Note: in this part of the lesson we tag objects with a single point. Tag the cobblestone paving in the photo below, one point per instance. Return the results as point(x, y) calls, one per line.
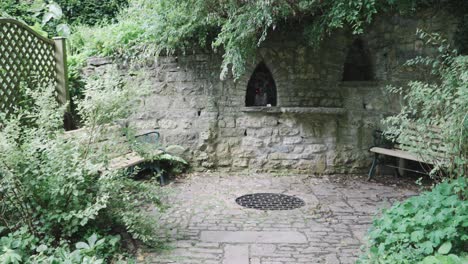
point(205, 225)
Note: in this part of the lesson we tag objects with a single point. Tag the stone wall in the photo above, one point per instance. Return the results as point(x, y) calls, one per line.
point(321, 124)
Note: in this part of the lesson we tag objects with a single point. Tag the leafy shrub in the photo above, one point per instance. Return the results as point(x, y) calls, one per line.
point(236, 28)
point(439, 104)
point(45, 17)
point(90, 12)
point(433, 225)
point(54, 17)
point(18, 246)
point(52, 192)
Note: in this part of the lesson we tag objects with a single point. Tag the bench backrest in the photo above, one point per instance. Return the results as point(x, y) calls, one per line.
point(429, 144)
point(114, 138)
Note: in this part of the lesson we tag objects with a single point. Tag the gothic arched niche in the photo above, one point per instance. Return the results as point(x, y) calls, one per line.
point(261, 88)
point(358, 66)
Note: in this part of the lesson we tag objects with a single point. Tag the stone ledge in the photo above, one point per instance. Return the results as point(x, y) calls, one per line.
point(294, 110)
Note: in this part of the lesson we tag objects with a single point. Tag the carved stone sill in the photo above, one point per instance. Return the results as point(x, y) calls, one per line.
point(294, 110)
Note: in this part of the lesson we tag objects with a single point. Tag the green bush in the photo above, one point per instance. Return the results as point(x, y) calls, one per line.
point(433, 225)
point(236, 28)
point(52, 193)
point(90, 12)
point(45, 17)
point(53, 17)
point(440, 103)
point(18, 246)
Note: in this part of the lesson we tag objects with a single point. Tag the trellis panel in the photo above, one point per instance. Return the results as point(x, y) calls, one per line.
point(29, 60)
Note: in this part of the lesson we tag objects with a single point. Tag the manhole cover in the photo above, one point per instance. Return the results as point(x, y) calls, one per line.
point(270, 201)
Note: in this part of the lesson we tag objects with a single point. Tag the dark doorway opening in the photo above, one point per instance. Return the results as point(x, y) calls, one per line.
point(261, 89)
point(358, 66)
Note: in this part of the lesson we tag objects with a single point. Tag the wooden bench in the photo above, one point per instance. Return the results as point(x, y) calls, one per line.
point(124, 157)
point(434, 150)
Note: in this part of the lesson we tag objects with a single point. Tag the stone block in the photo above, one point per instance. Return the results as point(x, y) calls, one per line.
point(253, 142)
point(242, 163)
point(269, 121)
point(182, 139)
point(272, 141)
point(260, 132)
point(221, 124)
point(288, 131)
point(315, 148)
point(265, 237)
point(284, 156)
point(177, 76)
point(281, 149)
point(176, 150)
point(305, 164)
point(292, 140)
point(298, 149)
point(99, 61)
point(248, 122)
point(230, 122)
point(244, 153)
point(201, 156)
point(224, 162)
point(236, 254)
point(263, 249)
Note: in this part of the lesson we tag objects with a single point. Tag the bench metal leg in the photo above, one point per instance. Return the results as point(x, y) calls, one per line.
point(372, 169)
point(161, 177)
point(155, 169)
point(402, 164)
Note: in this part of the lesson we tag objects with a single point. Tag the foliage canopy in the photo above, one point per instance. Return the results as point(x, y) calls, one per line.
point(235, 27)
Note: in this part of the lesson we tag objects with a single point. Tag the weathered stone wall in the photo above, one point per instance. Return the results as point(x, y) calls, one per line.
point(321, 124)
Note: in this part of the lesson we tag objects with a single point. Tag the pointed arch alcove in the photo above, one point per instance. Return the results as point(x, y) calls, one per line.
point(261, 88)
point(358, 64)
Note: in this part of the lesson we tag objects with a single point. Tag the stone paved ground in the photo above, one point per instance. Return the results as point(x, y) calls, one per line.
point(205, 225)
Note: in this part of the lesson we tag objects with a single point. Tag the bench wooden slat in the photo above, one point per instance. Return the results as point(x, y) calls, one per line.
point(396, 153)
point(429, 150)
point(126, 161)
point(422, 146)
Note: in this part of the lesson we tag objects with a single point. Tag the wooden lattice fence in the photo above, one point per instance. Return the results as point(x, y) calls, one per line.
point(28, 59)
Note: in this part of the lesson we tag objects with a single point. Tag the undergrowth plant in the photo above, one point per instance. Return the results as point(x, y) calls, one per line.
point(54, 195)
point(431, 228)
point(437, 109)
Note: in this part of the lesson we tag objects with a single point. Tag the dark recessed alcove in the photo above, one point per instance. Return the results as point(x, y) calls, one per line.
point(358, 65)
point(261, 88)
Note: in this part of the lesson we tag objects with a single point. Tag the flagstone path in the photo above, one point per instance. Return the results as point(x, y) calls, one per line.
point(205, 225)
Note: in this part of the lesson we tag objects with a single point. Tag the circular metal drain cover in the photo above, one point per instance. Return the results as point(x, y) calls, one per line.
point(270, 201)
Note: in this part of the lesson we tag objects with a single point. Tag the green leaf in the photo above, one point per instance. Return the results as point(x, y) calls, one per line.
point(63, 30)
point(41, 248)
point(46, 18)
point(82, 245)
point(445, 248)
point(55, 10)
point(92, 240)
point(417, 235)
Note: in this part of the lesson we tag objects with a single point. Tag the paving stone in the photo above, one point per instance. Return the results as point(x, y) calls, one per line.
point(205, 225)
point(253, 237)
point(236, 254)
